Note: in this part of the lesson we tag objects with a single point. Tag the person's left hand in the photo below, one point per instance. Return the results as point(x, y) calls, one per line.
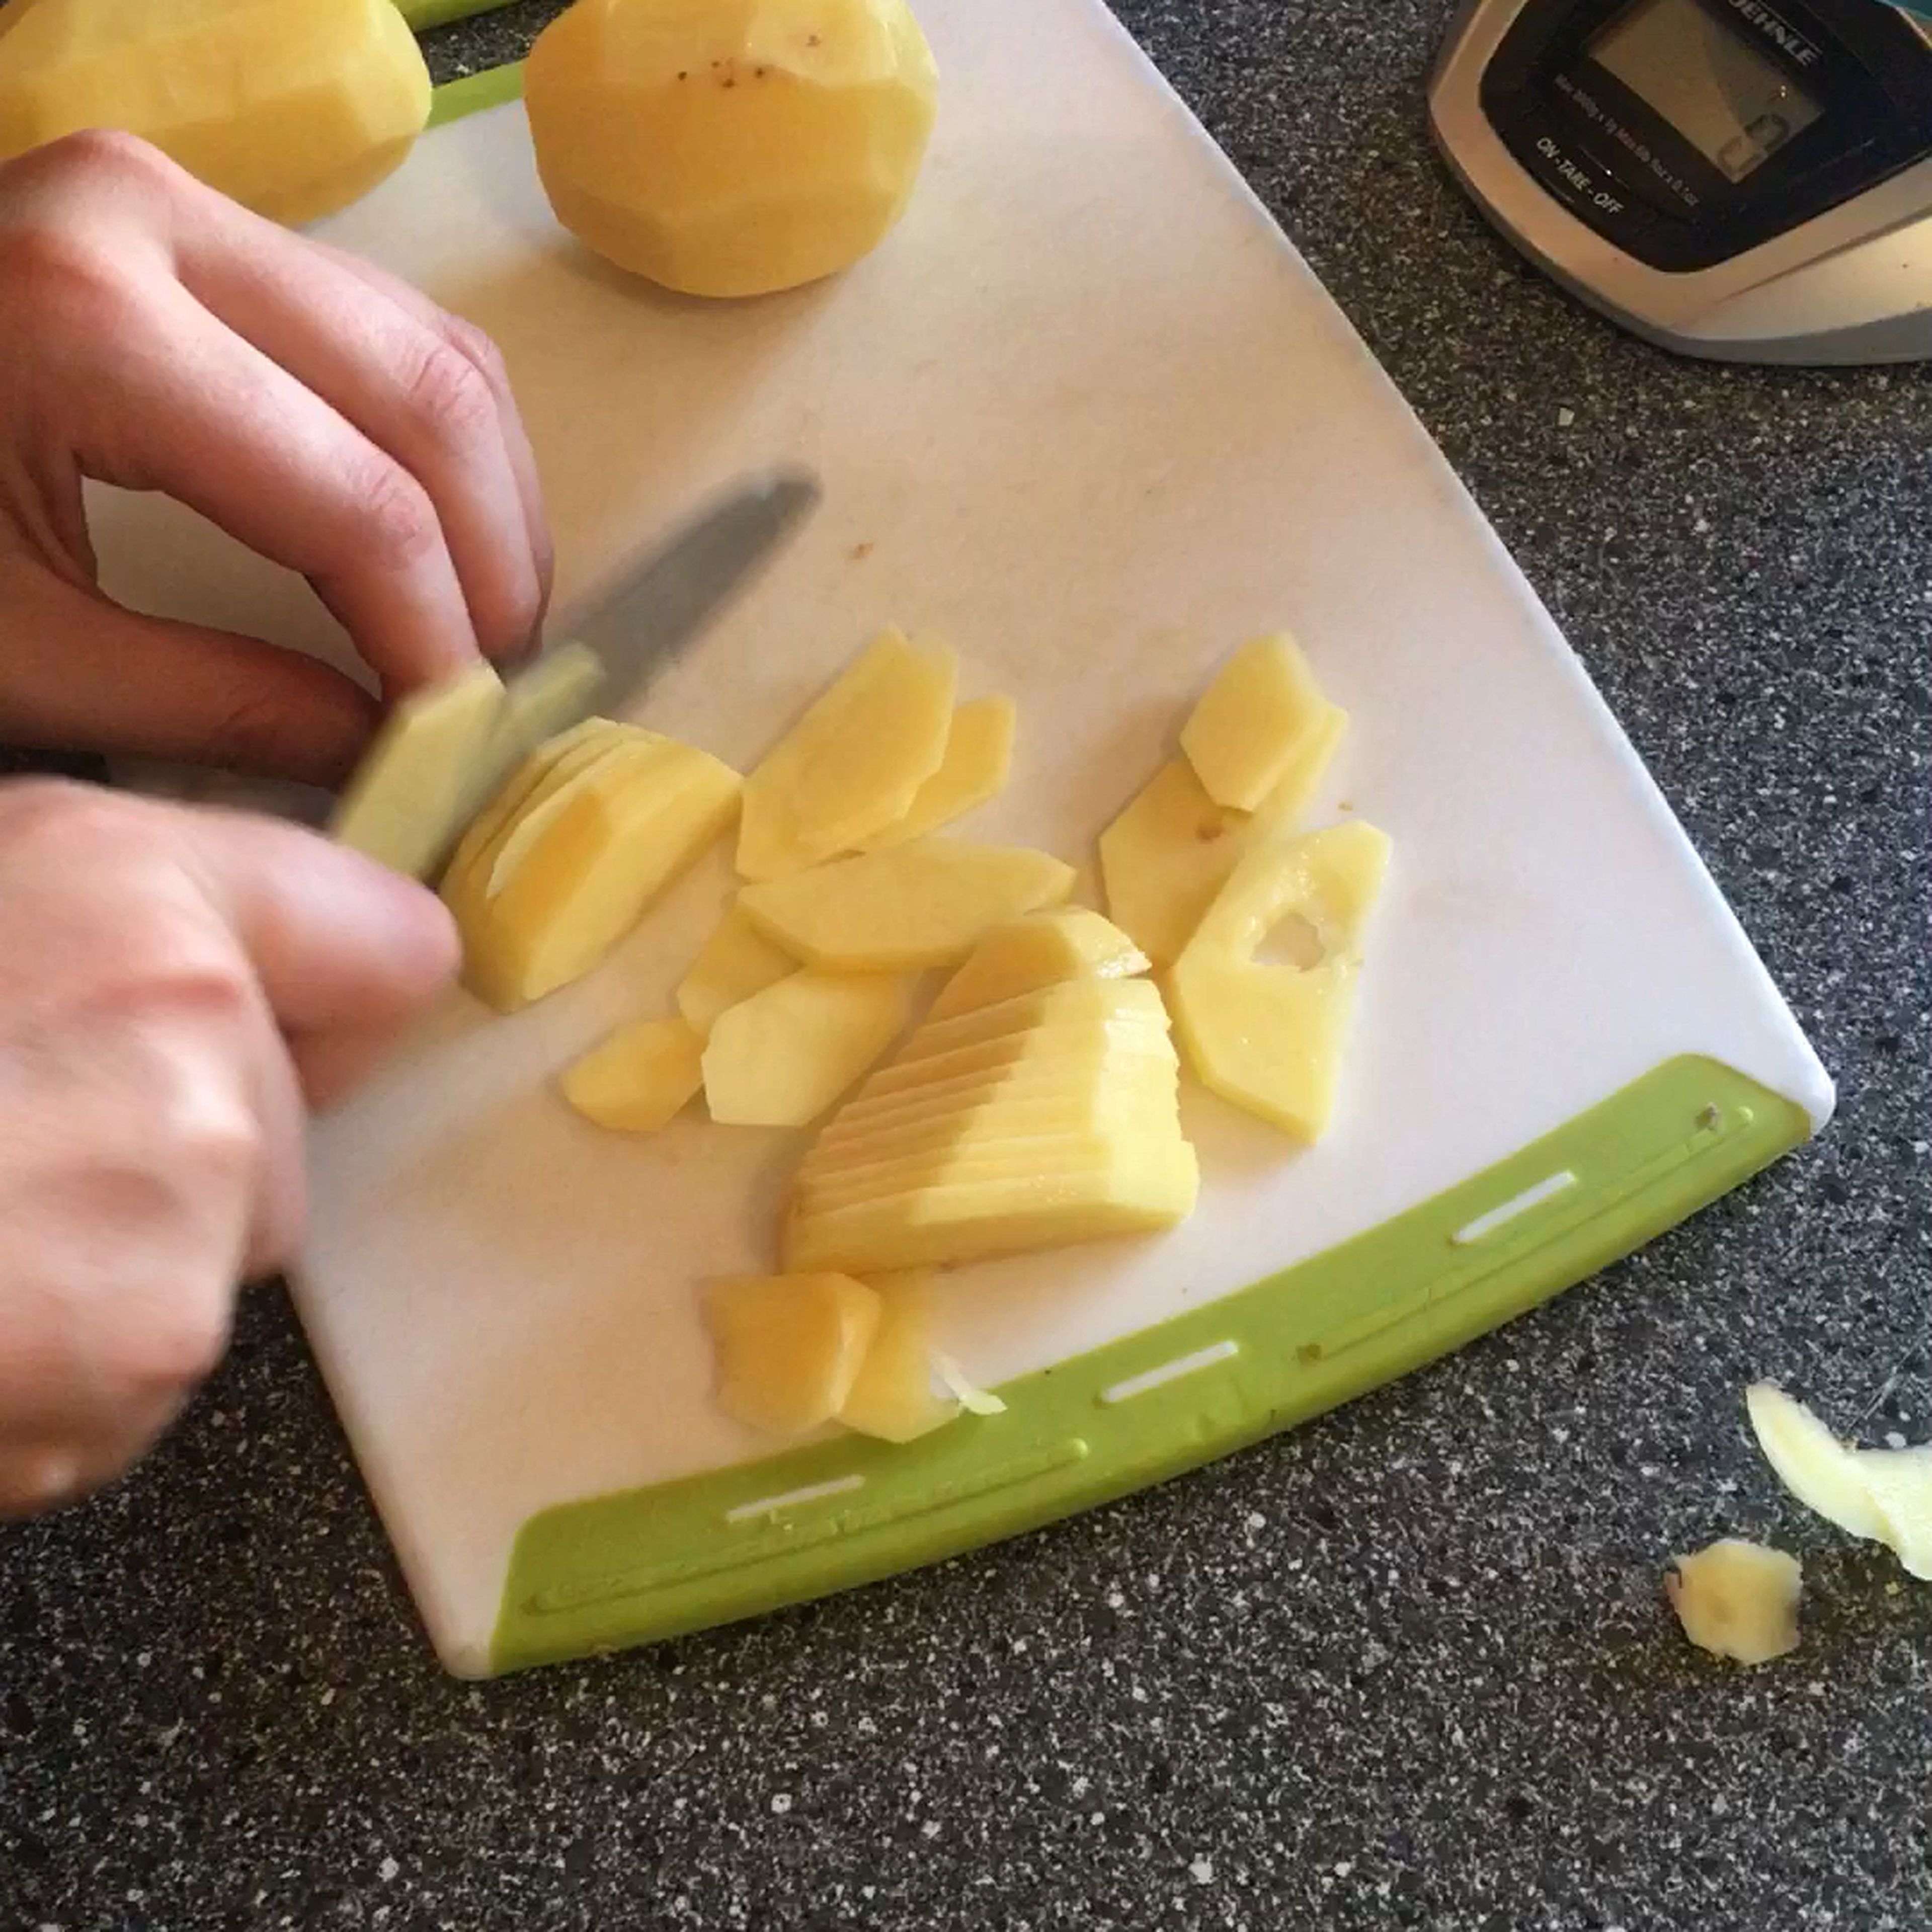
point(155, 335)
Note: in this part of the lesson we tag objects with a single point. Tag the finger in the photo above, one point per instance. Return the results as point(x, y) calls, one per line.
point(347, 952)
point(475, 344)
point(401, 378)
point(205, 417)
point(80, 673)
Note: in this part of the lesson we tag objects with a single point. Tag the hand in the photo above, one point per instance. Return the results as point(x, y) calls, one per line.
point(175, 985)
point(154, 334)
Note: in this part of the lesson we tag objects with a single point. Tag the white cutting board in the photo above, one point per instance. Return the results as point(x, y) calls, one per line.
point(1087, 415)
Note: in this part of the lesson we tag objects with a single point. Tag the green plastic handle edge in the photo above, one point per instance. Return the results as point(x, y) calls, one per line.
point(423, 14)
point(640, 1565)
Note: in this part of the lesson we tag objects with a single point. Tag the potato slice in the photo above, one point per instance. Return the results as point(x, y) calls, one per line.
point(1883, 1495)
point(1074, 1002)
point(1150, 1187)
point(1253, 722)
point(639, 1079)
point(736, 962)
point(979, 758)
point(1042, 950)
point(601, 859)
point(893, 1397)
point(854, 763)
point(781, 1057)
point(1737, 1599)
point(902, 911)
point(1293, 796)
point(1269, 1037)
point(1109, 1104)
point(552, 761)
point(1049, 1077)
point(789, 1347)
point(1164, 858)
point(1048, 1158)
point(405, 805)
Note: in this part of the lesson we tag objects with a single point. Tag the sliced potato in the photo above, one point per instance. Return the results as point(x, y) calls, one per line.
point(979, 756)
point(902, 911)
point(789, 1347)
point(1164, 858)
point(893, 1397)
point(736, 961)
point(854, 763)
point(781, 1057)
point(1252, 722)
point(1042, 949)
point(1270, 1037)
point(405, 806)
point(608, 842)
point(1150, 1188)
point(637, 1079)
point(1295, 794)
point(1737, 1599)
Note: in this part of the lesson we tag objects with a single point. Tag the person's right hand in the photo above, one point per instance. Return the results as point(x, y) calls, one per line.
point(154, 335)
point(176, 987)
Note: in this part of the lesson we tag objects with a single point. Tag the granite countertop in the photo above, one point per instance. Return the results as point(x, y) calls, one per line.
point(1408, 1667)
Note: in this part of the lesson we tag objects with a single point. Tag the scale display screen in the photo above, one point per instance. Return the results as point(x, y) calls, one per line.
point(1735, 106)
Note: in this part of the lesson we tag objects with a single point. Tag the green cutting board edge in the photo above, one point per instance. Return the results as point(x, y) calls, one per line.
point(643, 1565)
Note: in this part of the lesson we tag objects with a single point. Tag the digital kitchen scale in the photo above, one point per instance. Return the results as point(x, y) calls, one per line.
point(1728, 178)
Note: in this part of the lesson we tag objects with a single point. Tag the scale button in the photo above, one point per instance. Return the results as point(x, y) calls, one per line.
point(1596, 194)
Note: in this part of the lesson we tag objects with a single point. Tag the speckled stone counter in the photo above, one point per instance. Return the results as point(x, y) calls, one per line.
point(1409, 1667)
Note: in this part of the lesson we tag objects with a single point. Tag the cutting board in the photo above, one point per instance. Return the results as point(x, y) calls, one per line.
point(1088, 414)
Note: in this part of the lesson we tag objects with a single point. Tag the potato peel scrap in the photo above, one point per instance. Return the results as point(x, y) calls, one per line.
point(1883, 1495)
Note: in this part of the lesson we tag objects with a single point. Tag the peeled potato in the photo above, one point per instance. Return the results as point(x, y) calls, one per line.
point(295, 109)
point(731, 147)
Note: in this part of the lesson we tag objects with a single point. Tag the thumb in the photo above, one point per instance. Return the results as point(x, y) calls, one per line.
point(81, 673)
point(347, 952)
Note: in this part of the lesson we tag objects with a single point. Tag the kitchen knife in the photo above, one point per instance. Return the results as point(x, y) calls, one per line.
point(443, 753)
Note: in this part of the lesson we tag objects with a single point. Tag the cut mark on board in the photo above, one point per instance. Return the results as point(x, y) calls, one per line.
point(1517, 1205)
point(1171, 1372)
point(812, 1493)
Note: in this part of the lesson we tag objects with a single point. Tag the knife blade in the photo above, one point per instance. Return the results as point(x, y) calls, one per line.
point(443, 753)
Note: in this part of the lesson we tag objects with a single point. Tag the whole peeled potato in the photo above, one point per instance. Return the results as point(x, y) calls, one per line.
point(731, 147)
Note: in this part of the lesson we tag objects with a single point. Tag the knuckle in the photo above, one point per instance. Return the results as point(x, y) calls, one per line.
point(399, 522)
point(58, 820)
point(178, 1346)
point(449, 395)
point(95, 153)
point(480, 351)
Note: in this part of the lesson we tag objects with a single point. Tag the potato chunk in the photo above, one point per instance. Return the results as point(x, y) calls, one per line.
point(1261, 711)
point(1737, 1599)
point(789, 1347)
point(638, 1078)
point(893, 1397)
